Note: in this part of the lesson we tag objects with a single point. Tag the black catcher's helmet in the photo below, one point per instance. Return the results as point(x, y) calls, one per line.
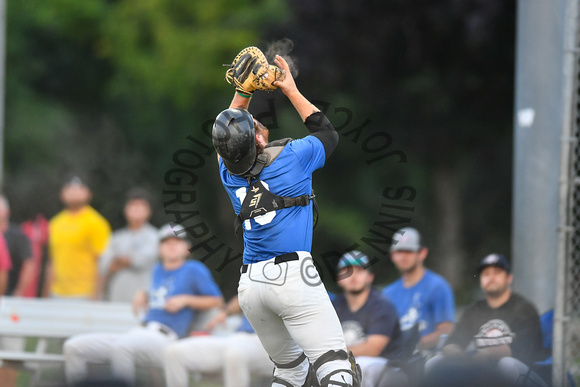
point(234, 139)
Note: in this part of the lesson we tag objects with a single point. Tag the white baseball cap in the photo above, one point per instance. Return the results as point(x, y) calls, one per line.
point(172, 230)
point(406, 239)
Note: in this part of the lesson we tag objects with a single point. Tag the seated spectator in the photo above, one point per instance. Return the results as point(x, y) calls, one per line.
point(22, 272)
point(178, 288)
point(369, 321)
point(237, 356)
point(420, 296)
point(126, 265)
point(496, 339)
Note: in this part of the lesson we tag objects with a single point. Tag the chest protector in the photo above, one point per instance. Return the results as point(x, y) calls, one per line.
point(259, 200)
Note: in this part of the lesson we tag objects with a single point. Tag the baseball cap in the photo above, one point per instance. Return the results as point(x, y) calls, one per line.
point(353, 258)
point(172, 230)
point(496, 260)
point(138, 193)
point(75, 180)
point(406, 239)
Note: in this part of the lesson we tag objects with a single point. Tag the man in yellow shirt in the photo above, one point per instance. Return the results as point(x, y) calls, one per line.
point(78, 236)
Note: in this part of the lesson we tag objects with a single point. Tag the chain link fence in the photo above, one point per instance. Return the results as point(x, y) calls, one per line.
point(567, 323)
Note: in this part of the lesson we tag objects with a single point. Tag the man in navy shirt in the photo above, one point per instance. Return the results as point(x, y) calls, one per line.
point(369, 321)
point(178, 288)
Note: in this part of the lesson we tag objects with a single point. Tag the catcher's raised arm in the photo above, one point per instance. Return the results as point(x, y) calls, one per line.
point(304, 107)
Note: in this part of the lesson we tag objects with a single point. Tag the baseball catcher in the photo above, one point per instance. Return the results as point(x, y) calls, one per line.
point(270, 187)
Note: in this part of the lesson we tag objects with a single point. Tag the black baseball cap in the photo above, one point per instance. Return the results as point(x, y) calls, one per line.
point(496, 260)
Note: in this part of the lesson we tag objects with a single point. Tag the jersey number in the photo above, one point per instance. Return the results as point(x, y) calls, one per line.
point(260, 219)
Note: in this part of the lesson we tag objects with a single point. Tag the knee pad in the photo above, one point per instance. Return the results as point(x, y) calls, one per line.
point(345, 377)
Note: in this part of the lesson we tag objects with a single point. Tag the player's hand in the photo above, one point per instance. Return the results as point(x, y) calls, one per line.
point(139, 302)
point(287, 85)
point(176, 303)
point(219, 319)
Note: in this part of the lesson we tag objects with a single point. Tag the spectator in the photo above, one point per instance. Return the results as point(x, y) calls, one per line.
point(502, 331)
point(237, 356)
point(8, 375)
point(178, 288)
point(369, 321)
point(5, 264)
point(22, 272)
point(78, 236)
point(420, 296)
point(126, 265)
point(16, 280)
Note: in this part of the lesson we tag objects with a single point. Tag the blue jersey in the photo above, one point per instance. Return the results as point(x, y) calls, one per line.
point(289, 229)
point(376, 317)
point(193, 278)
point(428, 303)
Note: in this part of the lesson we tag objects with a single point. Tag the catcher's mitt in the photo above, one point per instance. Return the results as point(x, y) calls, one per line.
point(250, 71)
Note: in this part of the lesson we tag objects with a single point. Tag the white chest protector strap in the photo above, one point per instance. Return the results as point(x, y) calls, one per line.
point(259, 200)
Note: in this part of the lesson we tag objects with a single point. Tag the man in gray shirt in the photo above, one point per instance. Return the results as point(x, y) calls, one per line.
point(125, 267)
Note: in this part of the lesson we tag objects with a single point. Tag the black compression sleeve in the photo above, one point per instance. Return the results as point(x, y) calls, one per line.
point(320, 127)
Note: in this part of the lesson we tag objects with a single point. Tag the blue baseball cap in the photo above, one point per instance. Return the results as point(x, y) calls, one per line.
point(353, 258)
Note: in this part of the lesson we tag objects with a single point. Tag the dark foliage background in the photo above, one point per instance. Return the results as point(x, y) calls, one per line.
point(112, 89)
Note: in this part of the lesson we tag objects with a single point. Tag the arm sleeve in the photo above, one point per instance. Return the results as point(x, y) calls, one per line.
point(320, 127)
point(204, 284)
point(528, 339)
point(444, 304)
point(463, 331)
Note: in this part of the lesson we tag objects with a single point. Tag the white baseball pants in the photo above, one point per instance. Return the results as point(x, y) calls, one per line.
point(288, 306)
point(140, 346)
point(237, 357)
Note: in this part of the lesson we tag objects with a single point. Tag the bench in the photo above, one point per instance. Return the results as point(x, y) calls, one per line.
point(50, 320)
point(56, 320)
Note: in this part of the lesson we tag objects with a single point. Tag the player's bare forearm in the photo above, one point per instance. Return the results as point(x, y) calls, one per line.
point(373, 346)
point(232, 307)
point(494, 352)
point(26, 278)
point(432, 339)
point(3, 281)
point(304, 107)
point(240, 102)
point(48, 278)
point(176, 303)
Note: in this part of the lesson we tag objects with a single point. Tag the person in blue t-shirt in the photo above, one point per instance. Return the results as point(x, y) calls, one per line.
point(270, 187)
point(369, 321)
point(179, 287)
point(420, 296)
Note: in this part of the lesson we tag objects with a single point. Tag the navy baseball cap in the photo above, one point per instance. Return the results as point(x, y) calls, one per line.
point(496, 260)
point(353, 258)
point(406, 239)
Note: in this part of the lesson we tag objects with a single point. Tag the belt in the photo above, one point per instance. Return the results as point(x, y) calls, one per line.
point(160, 327)
point(277, 260)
